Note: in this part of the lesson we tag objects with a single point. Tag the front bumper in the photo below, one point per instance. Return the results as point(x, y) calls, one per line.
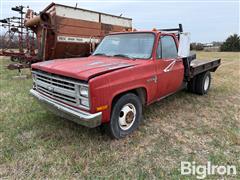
point(68, 112)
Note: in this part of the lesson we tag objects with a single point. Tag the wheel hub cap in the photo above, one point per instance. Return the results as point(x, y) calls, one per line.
point(127, 116)
point(206, 83)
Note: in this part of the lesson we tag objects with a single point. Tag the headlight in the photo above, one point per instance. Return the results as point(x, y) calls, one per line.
point(84, 91)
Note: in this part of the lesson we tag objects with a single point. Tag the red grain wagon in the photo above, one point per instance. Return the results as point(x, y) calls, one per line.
point(64, 31)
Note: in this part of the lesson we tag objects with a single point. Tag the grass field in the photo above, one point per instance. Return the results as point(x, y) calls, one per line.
point(183, 127)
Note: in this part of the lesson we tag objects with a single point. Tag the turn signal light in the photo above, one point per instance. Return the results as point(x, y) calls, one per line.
point(101, 108)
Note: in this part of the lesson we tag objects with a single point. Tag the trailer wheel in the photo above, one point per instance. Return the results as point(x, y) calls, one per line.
point(203, 82)
point(126, 116)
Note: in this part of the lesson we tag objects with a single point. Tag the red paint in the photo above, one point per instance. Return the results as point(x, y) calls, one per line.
point(105, 83)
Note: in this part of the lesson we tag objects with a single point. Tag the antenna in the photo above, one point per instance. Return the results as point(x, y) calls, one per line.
point(76, 5)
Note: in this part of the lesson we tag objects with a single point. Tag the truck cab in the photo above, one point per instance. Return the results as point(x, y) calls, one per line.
point(127, 71)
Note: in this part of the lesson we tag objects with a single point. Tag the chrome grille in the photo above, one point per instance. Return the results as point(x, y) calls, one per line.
point(58, 87)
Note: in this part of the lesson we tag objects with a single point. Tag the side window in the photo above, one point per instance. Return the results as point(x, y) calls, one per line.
point(167, 48)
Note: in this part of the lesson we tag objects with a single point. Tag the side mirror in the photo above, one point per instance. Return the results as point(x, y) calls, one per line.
point(184, 45)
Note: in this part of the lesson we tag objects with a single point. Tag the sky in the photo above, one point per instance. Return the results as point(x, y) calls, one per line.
point(206, 20)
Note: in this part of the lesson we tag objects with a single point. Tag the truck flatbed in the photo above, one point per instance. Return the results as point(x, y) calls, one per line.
point(198, 66)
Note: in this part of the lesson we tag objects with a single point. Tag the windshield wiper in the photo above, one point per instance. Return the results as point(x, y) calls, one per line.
point(100, 54)
point(123, 55)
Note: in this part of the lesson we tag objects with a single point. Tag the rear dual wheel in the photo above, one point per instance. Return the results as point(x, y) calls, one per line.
point(200, 84)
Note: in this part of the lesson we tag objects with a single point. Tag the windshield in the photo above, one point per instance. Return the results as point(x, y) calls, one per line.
point(138, 45)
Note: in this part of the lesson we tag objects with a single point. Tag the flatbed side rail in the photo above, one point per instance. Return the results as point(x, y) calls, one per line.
point(200, 66)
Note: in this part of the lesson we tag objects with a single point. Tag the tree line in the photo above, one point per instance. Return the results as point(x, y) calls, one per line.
point(232, 43)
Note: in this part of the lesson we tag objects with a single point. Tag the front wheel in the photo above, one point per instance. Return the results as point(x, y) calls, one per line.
point(126, 116)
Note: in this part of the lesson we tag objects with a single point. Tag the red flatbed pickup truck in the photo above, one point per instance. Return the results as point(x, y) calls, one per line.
point(127, 71)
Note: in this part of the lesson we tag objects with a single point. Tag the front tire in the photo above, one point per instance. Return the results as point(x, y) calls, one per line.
point(126, 116)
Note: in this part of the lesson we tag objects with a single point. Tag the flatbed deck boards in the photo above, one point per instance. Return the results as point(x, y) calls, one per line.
point(199, 62)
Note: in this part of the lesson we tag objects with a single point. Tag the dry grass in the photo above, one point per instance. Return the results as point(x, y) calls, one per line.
point(183, 127)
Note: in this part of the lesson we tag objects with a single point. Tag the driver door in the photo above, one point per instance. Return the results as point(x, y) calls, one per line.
point(169, 67)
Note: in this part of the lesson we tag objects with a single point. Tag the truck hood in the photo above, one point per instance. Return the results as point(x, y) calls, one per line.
point(85, 68)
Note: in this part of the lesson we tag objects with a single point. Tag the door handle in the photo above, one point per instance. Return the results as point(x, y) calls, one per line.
point(170, 66)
